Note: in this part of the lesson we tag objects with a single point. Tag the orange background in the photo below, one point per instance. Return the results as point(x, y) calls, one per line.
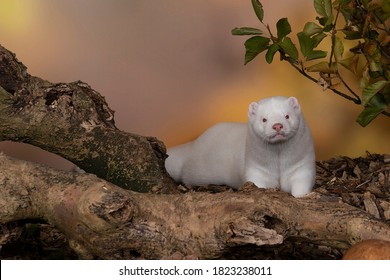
point(171, 68)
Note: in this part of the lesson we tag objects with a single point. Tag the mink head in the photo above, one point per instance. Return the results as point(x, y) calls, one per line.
point(275, 119)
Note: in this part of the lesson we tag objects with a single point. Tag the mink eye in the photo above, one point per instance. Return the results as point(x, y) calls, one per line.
point(264, 120)
point(287, 117)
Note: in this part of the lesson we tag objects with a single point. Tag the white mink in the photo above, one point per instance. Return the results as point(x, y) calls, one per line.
point(274, 149)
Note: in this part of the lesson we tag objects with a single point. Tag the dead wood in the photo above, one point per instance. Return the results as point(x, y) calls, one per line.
point(74, 121)
point(101, 220)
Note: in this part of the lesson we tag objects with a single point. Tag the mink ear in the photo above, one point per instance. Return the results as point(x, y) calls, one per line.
point(252, 109)
point(293, 102)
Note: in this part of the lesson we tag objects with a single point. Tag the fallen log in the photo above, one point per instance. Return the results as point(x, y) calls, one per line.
point(74, 121)
point(101, 220)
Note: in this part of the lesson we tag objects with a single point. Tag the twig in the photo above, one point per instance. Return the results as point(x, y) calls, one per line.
point(349, 89)
point(385, 28)
point(346, 96)
point(362, 184)
point(354, 100)
point(333, 35)
point(387, 114)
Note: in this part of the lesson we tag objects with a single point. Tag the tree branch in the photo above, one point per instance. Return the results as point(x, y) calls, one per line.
point(75, 122)
point(103, 221)
point(303, 72)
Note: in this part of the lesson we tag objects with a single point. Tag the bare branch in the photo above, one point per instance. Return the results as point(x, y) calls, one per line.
point(79, 126)
point(105, 221)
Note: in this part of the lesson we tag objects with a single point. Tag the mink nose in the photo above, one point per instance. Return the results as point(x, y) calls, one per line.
point(277, 126)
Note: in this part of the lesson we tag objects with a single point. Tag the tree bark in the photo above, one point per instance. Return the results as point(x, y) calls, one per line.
point(75, 122)
point(104, 221)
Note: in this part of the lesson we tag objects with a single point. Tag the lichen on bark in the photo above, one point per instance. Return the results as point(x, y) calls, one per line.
point(74, 121)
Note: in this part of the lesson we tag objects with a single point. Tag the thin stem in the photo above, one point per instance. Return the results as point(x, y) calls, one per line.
point(385, 28)
point(347, 86)
point(354, 100)
point(274, 40)
point(387, 114)
point(303, 72)
point(333, 36)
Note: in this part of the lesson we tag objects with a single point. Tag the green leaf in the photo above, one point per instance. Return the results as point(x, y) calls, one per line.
point(369, 114)
point(386, 6)
point(375, 66)
point(344, 2)
point(322, 67)
point(312, 28)
point(317, 39)
point(384, 14)
point(338, 49)
point(327, 23)
point(381, 10)
point(351, 63)
point(289, 48)
point(283, 27)
point(258, 7)
point(325, 11)
point(365, 80)
point(376, 106)
point(272, 50)
point(316, 54)
point(254, 46)
point(307, 45)
point(323, 8)
point(371, 90)
point(351, 35)
point(246, 31)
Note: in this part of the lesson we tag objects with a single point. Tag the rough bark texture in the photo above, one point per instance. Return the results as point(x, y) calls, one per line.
point(101, 220)
point(75, 122)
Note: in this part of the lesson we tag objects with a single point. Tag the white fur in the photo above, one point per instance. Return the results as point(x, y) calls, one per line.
point(275, 149)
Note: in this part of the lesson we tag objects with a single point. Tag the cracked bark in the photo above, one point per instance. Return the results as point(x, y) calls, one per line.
point(104, 221)
point(74, 121)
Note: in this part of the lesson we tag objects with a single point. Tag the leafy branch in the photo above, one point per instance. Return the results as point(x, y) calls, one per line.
point(365, 25)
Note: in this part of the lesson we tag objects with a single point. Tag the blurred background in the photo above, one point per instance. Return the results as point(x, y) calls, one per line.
point(171, 68)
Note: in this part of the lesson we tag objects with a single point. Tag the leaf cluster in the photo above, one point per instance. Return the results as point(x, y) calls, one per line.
point(364, 24)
